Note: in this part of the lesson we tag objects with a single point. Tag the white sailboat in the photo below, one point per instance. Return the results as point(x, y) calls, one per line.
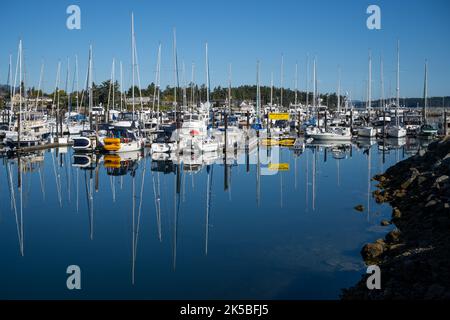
point(397, 131)
point(208, 143)
point(123, 138)
point(23, 137)
point(368, 131)
point(426, 130)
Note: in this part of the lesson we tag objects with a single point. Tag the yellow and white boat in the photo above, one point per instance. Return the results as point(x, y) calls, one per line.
point(121, 140)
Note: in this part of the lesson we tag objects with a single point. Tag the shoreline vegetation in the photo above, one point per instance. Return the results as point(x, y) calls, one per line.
point(101, 93)
point(414, 258)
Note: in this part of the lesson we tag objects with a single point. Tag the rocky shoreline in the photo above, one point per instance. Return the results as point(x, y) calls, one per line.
point(414, 259)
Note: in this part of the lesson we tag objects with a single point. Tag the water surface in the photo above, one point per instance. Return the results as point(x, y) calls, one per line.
point(145, 229)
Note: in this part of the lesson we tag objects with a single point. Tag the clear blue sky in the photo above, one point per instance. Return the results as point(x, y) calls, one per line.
point(239, 32)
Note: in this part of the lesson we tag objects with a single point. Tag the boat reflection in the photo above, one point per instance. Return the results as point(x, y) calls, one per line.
point(147, 193)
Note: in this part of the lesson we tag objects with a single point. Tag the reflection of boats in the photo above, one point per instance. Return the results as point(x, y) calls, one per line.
point(84, 161)
point(278, 141)
point(391, 144)
point(365, 143)
point(119, 165)
point(333, 134)
point(339, 152)
point(299, 144)
point(164, 166)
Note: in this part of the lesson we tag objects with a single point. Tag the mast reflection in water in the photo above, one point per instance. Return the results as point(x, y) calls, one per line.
point(191, 226)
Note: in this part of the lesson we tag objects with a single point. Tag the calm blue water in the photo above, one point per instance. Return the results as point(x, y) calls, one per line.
point(293, 235)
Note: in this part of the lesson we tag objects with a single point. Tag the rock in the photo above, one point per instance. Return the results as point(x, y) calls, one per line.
point(393, 236)
point(399, 193)
point(359, 208)
point(441, 179)
point(415, 260)
point(371, 251)
point(431, 203)
point(408, 182)
point(396, 214)
point(379, 196)
point(421, 180)
point(379, 178)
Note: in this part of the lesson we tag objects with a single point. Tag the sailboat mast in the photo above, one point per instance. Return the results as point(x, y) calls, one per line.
point(382, 84)
point(258, 91)
point(425, 94)
point(296, 83)
point(156, 78)
point(121, 87)
point(207, 76)
point(229, 88)
point(192, 85)
point(10, 78)
point(369, 88)
point(39, 85)
point(184, 84)
point(20, 94)
point(397, 102)
point(91, 97)
point(307, 84)
point(314, 83)
point(175, 65)
point(132, 61)
point(113, 80)
point(158, 83)
point(339, 91)
point(271, 89)
point(76, 82)
point(281, 80)
point(67, 86)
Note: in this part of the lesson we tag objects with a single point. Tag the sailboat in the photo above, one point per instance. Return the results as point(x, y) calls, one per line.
point(88, 140)
point(208, 143)
point(426, 130)
point(122, 138)
point(397, 131)
point(23, 138)
point(331, 133)
point(368, 131)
